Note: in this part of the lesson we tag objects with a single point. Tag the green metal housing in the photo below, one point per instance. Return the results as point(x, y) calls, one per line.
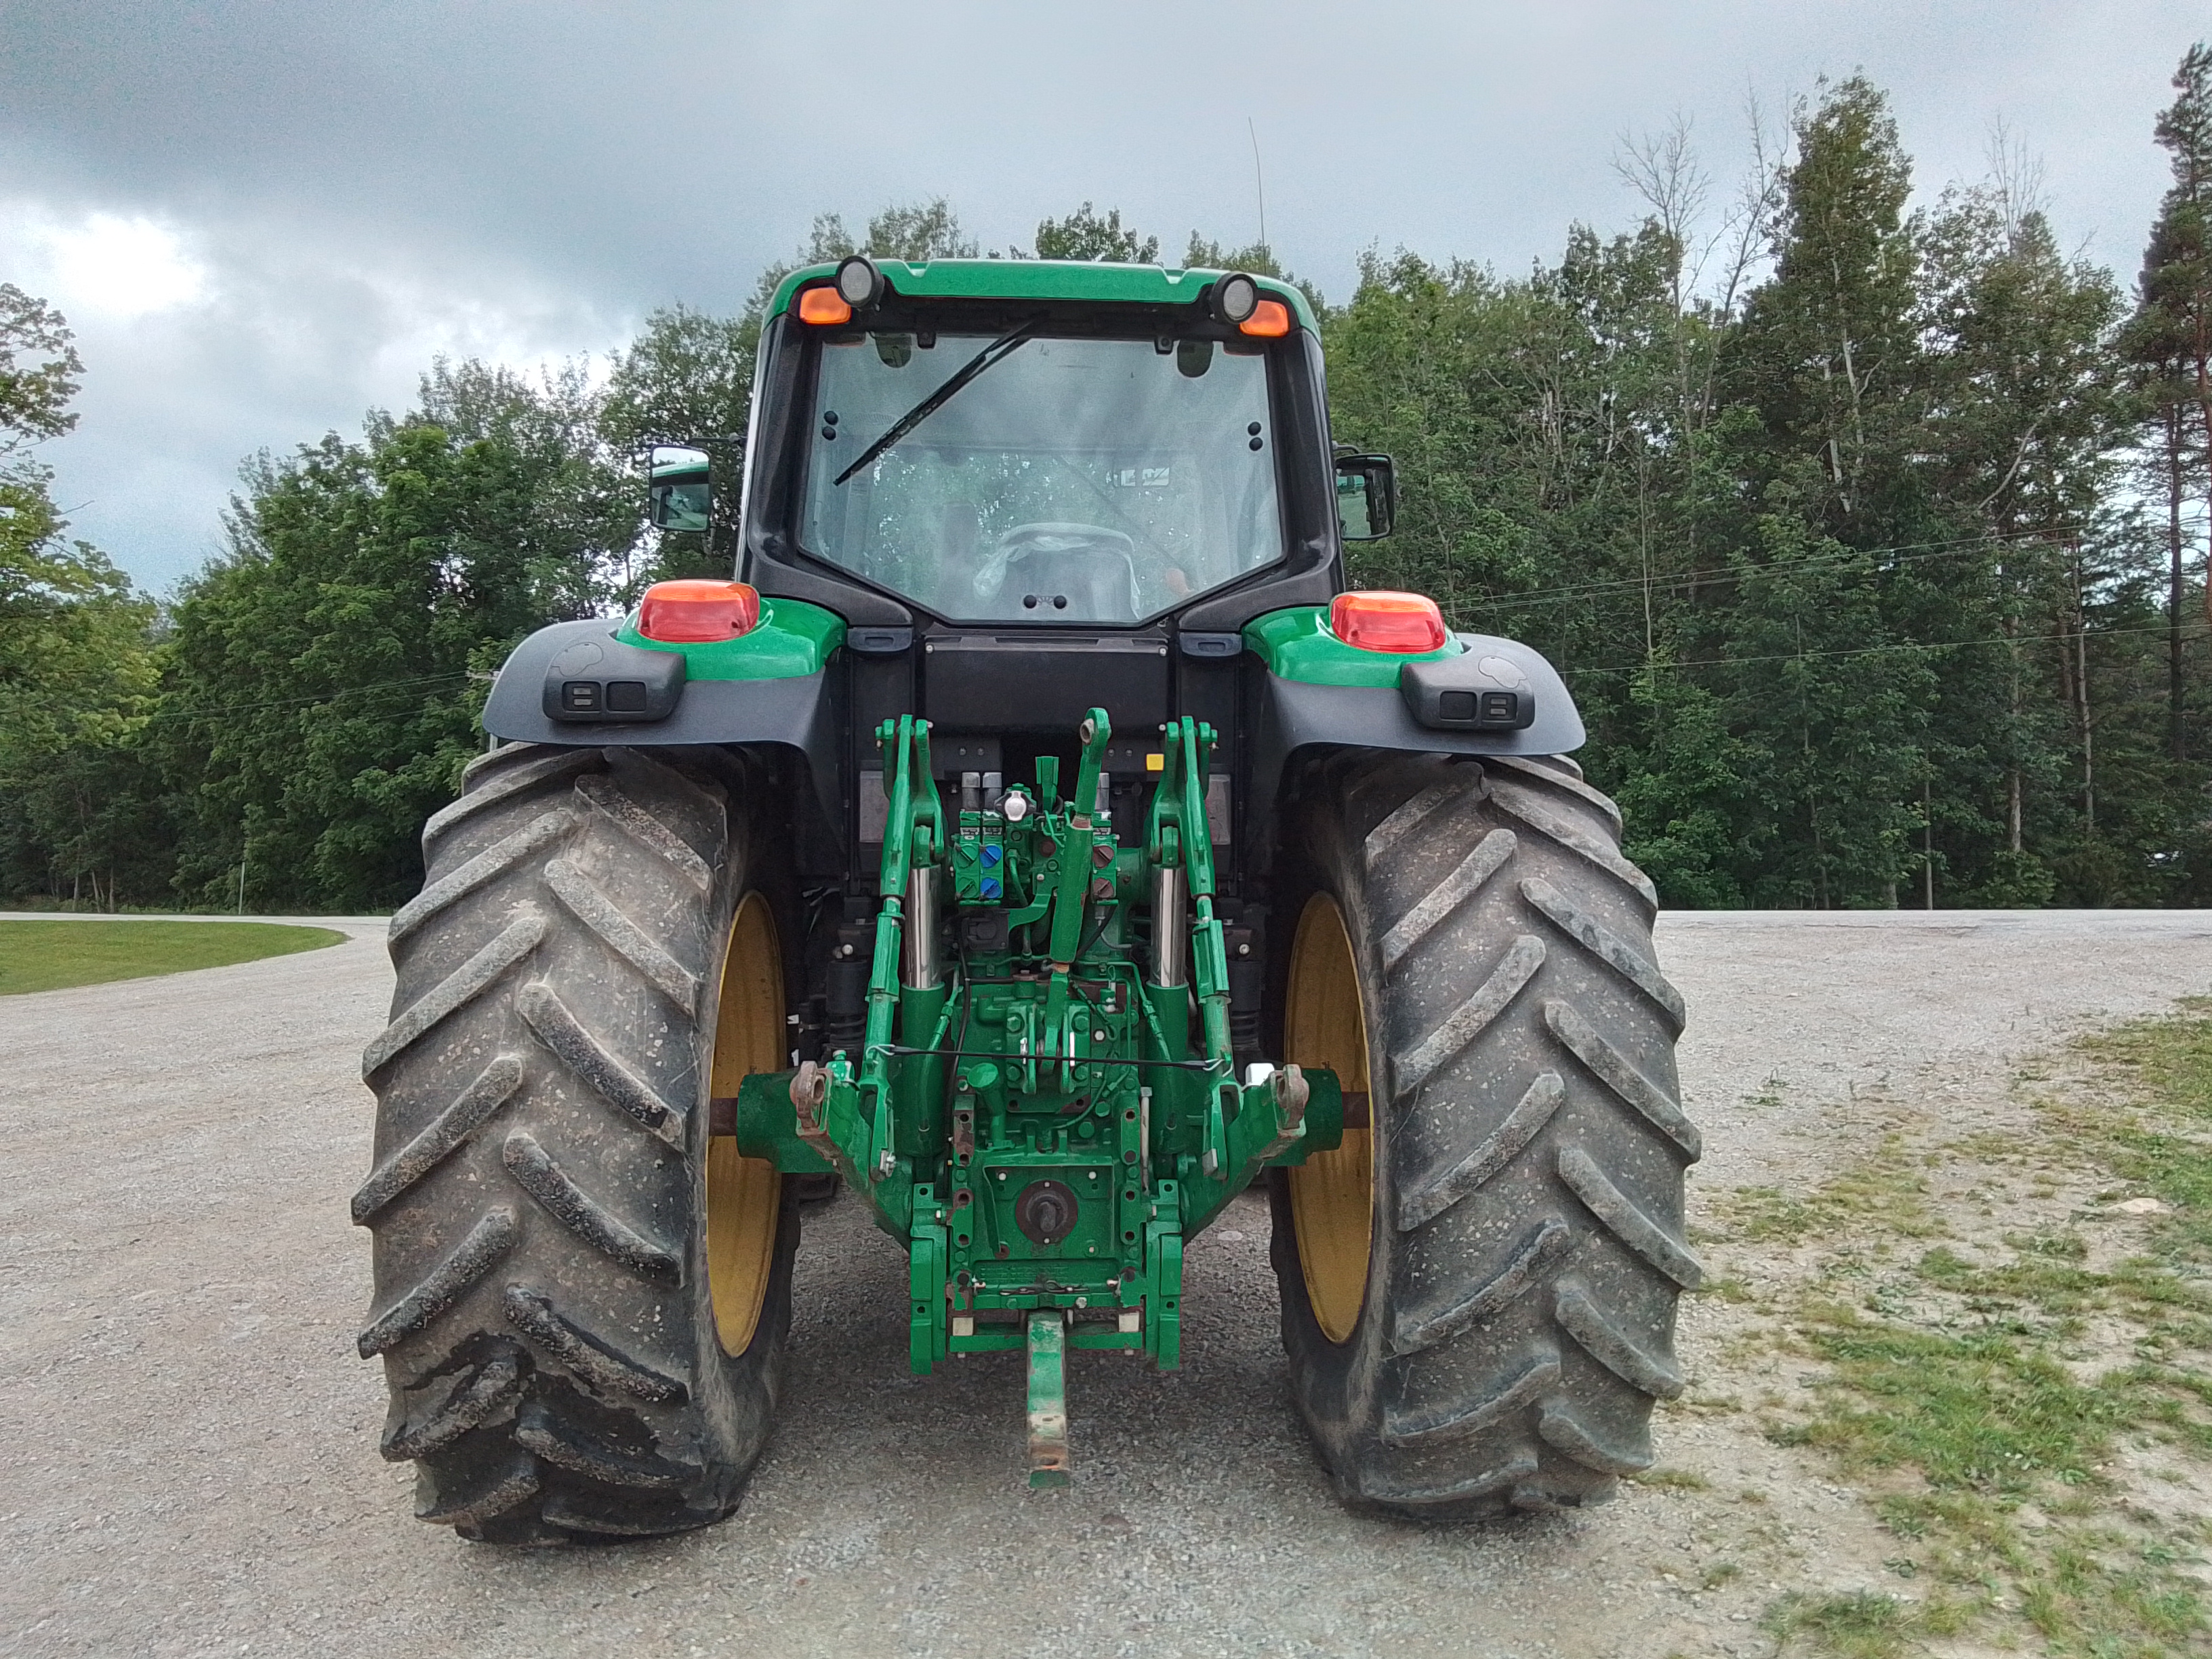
point(1044, 1124)
point(792, 638)
point(1099, 281)
point(1297, 644)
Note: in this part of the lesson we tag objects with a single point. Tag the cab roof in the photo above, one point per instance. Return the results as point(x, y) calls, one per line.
point(1046, 279)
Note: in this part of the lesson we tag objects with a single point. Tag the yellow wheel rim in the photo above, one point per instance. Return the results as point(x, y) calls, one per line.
point(1333, 1192)
point(743, 1193)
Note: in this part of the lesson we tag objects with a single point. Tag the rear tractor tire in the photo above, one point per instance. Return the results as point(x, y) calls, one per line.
point(1479, 1287)
point(581, 1304)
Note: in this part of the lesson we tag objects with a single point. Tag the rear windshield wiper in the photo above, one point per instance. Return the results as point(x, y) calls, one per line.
point(1001, 349)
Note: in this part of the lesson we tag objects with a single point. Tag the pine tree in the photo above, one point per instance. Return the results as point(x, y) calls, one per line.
point(2169, 342)
point(2023, 422)
point(1828, 349)
point(1827, 363)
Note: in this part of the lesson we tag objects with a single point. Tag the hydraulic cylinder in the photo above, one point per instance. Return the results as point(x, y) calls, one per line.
point(1170, 927)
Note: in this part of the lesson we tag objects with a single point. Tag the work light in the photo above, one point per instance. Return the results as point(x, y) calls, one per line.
point(1235, 297)
point(860, 284)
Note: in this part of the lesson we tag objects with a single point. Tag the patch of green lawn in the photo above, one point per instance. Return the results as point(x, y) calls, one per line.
point(46, 955)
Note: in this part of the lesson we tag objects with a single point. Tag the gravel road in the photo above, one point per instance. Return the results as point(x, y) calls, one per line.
point(188, 1442)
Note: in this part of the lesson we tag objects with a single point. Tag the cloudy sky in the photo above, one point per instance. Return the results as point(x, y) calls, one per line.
point(264, 218)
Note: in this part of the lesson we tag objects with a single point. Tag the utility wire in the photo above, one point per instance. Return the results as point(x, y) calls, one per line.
point(1693, 579)
point(206, 711)
point(1904, 645)
point(1958, 548)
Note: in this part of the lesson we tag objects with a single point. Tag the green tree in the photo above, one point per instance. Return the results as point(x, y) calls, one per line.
point(914, 231)
point(1827, 364)
point(2169, 344)
point(1421, 368)
point(686, 380)
point(1828, 347)
point(77, 679)
point(38, 370)
point(325, 676)
point(75, 670)
point(1203, 253)
point(1083, 234)
point(1550, 489)
point(2024, 426)
point(1843, 563)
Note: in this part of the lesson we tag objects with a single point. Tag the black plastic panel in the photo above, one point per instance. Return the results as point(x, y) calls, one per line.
point(1474, 691)
point(804, 714)
point(1043, 684)
point(595, 681)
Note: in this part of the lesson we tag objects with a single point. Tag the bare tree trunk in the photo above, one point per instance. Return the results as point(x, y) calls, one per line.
point(2201, 357)
point(2177, 738)
point(1643, 547)
point(2009, 595)
point(2081, 699)
point(1852, 385)
point(1926, 842)
point(2088, 757)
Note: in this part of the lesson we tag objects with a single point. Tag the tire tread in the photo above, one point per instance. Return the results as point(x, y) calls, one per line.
point(1529, 1147)
point(555, 1375)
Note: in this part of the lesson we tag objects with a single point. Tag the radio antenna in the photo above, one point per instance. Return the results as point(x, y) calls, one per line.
point(1259, 179)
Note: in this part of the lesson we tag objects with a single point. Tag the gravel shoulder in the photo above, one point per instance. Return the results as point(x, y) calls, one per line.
point(188, 1442)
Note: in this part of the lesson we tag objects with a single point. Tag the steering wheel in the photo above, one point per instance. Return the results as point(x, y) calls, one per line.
point(1071, 556)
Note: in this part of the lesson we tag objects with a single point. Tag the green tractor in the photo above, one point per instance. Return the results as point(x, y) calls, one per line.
point(1041, 842)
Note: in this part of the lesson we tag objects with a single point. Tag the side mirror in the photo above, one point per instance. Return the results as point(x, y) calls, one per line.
point(682, 496)
point(1366, 496)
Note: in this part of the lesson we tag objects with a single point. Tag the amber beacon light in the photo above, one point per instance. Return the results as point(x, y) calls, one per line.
point(1377, 619)
point(696, 611)
point(824, 305)
point(1270, 320)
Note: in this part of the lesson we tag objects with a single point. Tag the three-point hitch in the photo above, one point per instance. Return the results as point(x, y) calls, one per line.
point(1043, 1118)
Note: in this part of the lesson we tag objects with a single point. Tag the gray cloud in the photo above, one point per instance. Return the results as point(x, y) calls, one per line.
point(360, 187)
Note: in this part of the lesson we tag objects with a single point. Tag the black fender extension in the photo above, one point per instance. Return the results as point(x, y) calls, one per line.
point(1290, 715)
point(799, 713)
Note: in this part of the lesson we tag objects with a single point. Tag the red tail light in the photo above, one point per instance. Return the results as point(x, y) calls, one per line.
point(1375, 619)
point(696, 611)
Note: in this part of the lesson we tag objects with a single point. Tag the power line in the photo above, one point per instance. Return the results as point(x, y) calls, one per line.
point(1904, 645)
point(1689, 579)
point(1957, 548)
point(207, 711)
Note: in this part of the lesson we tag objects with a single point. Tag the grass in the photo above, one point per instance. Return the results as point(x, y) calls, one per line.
point(1982, 1412)
point(2168, 1151)
point(1863, 1625)
point(1680, 1479)
point(46, 955)
point(1888, 1190)
point(1994, 1391)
